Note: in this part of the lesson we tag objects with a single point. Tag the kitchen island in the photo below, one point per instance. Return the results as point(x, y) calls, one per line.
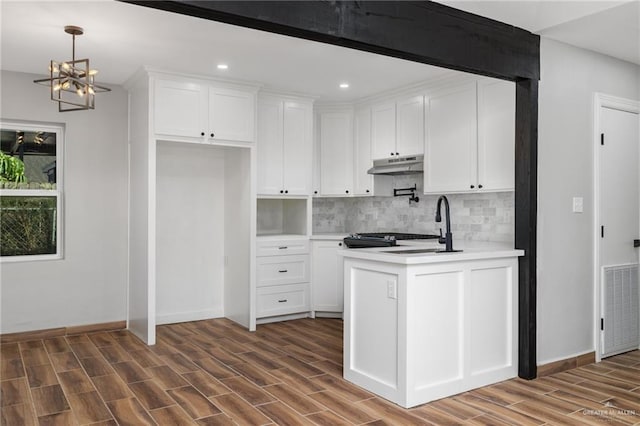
point(421, 325)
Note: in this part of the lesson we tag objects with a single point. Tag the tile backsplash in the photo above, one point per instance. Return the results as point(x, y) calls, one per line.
point(478, 216)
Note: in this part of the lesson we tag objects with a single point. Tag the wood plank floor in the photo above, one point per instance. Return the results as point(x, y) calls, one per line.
point(216, 373)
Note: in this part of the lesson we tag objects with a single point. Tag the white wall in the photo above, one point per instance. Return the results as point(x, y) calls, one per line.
point(89, 285)
point(190, 229)
point(569, 78)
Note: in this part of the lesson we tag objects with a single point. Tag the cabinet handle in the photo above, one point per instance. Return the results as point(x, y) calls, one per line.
point(315, 192)
point(213, 134)
point(286, 191)
point(367, 191)
point(282, 300)
point(201, 133)
point(283, 270)
point(340, 244)
point(347, 191)
point(281, 191)
point(283, 248)
point(473, 186)
point(397, 153)
point(392, 153)
point(480, 186)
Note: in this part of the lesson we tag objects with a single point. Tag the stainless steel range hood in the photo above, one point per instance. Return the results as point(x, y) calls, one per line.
point(398, 166)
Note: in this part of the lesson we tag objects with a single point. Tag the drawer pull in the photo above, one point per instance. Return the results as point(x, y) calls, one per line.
point(283, 270)
point(282, 300)
point(283, 248)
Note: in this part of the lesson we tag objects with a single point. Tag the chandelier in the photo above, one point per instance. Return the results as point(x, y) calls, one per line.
point(72, 82)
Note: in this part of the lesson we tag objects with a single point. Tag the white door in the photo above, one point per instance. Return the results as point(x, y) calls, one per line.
point(336, 153)
point(231, 115)
point(180, 109)
point(327, 276)
point(496, 135)
point(363, 181)
point(269, 147)
point(383, 130)
point(619, 213)
point(410, 126)
point(297, 147)
point(450, 158)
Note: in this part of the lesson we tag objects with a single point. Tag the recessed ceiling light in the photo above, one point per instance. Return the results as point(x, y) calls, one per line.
point(223, 66)
point(344, 85)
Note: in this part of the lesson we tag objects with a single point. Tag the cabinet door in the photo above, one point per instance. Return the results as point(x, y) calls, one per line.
point(451, 142)
point(496, 135)
point(297, 143)
point(231, 114)
point(269, 146)
point(383, 130)
point(180, 109)
point(336, 153)
point(363, 182)
point(410, 126)
point(327, 276)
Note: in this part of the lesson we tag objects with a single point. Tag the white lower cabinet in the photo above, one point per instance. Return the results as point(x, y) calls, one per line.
point(282, 300)
point(282, 278)
point(327, 276)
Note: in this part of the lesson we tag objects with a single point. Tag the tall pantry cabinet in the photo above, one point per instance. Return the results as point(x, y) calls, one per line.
point(192, 200)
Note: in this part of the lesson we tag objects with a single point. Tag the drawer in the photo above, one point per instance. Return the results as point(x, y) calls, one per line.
point(282, 247)
point(282, 300)
point(276, 270)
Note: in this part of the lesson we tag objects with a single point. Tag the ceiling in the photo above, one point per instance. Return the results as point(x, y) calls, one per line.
point(120, 38)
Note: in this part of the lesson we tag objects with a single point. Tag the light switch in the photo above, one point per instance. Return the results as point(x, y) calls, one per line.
point(578, 204)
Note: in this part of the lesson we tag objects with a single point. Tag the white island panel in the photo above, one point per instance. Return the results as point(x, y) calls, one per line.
point(435, 309)
point(490, 319)
point(374, 326)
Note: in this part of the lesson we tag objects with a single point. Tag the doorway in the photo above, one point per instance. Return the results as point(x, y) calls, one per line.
point(617, 224)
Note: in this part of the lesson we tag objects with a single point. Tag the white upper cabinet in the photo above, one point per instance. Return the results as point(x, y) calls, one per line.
point(298, 147)
point(410, 126)
point(284, 147)
point(231, 114)
point(362, 181)
point(336, 152)
point(496, 134)
point(269, 146)
point(450, 146)
point(203, 111)
point(470, 138)
point(383, 130)
point(180, 108)
point(397, 128)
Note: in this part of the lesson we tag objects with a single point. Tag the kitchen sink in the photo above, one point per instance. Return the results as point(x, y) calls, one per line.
point(418, 251)
point(414, 251)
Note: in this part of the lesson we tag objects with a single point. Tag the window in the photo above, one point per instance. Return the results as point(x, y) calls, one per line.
point(30, 191)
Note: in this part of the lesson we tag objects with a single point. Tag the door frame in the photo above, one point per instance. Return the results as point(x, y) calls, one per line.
point(601, 100)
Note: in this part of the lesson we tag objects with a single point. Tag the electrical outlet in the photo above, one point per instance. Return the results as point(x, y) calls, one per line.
point(578, 204)
point(392, 290)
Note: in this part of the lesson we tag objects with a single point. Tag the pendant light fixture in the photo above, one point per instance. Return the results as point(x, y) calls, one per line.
point(72, 82)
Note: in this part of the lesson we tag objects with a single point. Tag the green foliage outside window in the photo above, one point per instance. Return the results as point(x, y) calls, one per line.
point(27, 225)
point(11, 169)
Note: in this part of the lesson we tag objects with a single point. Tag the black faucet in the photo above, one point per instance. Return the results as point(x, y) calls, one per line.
point(448, 237)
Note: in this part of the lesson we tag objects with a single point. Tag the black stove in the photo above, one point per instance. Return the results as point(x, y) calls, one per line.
point(382, 239)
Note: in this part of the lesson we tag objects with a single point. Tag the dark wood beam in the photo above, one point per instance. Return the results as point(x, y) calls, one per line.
point(526, 196)
point(421, 31)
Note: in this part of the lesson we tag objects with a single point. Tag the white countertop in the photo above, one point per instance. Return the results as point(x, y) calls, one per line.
point(330, 236)
point(471, 250)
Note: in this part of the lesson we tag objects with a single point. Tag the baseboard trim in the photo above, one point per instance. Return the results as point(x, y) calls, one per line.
point(61, 331)
point(188, 316)
point(566, 364)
